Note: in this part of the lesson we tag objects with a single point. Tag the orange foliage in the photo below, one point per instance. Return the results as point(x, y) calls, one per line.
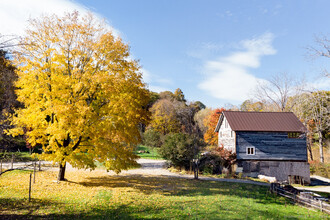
point(227, 155)
point(210, 122)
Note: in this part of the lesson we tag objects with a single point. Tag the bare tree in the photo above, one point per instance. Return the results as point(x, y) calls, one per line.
point(279, 92)
point(322, 49)
point(8, 42)
point(320, 113)
point(301, 110)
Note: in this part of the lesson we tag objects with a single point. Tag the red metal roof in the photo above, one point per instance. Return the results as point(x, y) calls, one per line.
point(264, 121)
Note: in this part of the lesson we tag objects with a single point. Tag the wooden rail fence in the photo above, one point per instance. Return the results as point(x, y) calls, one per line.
point(316, 203)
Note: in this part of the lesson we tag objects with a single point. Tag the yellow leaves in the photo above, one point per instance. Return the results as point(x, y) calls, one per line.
point(75, 80)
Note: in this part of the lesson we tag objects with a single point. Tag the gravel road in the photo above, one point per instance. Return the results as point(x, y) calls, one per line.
point(156, 168)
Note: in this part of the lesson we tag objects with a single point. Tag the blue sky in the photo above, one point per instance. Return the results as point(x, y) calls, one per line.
point(215, 51)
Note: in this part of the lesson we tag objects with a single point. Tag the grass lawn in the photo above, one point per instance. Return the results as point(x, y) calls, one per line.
point(96, 195)
point(153, 154)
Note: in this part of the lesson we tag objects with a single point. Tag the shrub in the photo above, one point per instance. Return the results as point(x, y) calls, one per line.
point(152, 138)
point(17, 156)
point(180, 149)
point(217, 160)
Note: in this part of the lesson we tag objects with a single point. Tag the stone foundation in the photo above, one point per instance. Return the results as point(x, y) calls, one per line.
point(281, 170)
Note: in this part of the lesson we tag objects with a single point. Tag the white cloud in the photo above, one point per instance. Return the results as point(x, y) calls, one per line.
point(319, 84)
point(146, 75)
point(15, 13)
point(158, 89)
point(151, 80)
point(228, 77)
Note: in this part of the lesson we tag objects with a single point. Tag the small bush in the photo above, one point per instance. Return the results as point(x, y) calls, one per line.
point(218, 160)
point(208, 170)
point(180, 149)
point(240, 175)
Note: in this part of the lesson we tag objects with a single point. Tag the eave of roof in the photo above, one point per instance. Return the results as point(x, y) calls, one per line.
point(262, 121)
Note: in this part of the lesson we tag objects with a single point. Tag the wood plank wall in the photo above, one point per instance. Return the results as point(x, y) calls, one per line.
point(271, 146)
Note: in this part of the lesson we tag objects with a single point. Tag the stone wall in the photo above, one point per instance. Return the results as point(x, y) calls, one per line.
point(278, 169)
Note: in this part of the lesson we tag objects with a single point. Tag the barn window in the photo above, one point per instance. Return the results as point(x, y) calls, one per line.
point(250, 151)
point(293, 135)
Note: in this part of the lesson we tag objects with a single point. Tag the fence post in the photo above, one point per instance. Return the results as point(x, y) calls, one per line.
point(321, 207)
point(34, 172)
point(30, 187)
point(1, 166)
point(12, 160)
point(39, 166)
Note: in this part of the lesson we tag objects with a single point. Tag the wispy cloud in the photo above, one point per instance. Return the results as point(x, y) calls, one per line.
point(203, 50)
point(15, 13)
point(155, 83)
point(228, 77)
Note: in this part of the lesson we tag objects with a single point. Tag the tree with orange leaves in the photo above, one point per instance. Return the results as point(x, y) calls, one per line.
point(210, 122)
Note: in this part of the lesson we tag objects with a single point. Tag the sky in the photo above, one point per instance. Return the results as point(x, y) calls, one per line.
point(214, 51)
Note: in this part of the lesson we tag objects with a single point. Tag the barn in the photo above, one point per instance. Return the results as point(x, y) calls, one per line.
point(266, 143)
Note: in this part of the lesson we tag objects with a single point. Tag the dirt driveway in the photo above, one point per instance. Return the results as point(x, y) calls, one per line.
point(149, 167)
point(156, 168)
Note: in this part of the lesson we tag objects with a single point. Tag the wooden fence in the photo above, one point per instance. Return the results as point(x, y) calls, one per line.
point(314, 202)
point(6, 167)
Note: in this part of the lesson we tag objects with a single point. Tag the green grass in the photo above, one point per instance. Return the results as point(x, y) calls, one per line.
point(96, 195)
point(153, 154)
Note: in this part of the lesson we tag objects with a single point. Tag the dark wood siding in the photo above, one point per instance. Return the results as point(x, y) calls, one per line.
point(271, 146)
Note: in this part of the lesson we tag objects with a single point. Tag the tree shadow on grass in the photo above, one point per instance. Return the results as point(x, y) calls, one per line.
point(181, 187)
point(195, 188)
point(22, 209)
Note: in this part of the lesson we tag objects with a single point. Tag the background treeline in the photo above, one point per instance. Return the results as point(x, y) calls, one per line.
point(183, 130)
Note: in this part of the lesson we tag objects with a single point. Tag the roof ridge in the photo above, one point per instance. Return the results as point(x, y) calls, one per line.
point(256, 112)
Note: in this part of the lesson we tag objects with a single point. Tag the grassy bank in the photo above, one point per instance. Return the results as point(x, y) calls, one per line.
point(96, 195)
point(147, 152)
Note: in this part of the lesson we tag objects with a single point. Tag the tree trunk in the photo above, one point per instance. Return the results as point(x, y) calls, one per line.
point(321, 147)
point(309, 147)
point(61, 172)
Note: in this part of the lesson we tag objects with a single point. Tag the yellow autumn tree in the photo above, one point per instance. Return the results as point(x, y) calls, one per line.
point(82, 93)
point(164, 118)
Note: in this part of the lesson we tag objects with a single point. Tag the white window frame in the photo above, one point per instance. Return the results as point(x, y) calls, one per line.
point(248, 152)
